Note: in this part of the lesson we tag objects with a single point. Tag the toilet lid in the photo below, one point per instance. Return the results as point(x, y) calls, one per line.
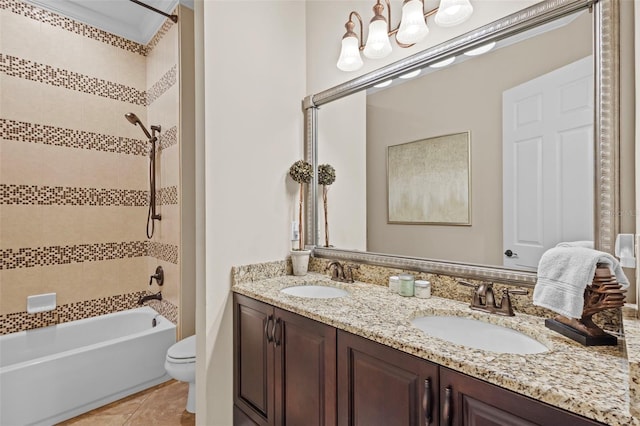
point(184, 349)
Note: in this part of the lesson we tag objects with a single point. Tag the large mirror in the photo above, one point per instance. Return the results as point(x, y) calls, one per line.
point(542, 81)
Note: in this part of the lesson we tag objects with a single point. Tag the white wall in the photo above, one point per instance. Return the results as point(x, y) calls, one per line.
point(253, 131)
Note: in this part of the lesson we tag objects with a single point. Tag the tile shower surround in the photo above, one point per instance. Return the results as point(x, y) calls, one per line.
point(21, 131)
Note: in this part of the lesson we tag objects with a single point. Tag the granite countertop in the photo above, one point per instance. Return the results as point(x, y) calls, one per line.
point(590, 381)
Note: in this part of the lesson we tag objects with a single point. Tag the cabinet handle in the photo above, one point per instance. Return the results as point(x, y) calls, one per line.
point(266, 329)
point(278, 330)
point(427, 403)
point(446, 409)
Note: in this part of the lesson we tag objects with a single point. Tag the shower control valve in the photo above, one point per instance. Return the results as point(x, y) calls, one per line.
point(158, 276)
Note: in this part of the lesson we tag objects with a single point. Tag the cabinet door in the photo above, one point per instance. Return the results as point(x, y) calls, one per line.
point(305, 371)
point(469, 401)
point(378, 385)
point(253, 359)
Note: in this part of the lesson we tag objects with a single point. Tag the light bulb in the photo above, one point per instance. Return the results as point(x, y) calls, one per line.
point(413, 27)
point(378, 44)
point(453, 12)
point(349, 59)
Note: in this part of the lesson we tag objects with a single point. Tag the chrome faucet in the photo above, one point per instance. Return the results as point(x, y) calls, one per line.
point(484, 299)
point(341, 273)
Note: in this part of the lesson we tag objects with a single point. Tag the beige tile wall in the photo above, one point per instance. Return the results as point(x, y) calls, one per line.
point(74, 171)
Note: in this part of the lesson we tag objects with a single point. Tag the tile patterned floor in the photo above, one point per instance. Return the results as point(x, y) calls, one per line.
point(162, 405)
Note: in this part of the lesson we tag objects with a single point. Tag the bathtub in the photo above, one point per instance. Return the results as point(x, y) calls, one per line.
point(51, 374)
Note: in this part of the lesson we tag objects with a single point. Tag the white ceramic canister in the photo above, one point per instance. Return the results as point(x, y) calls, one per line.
point(422, 289)
point(394, 284)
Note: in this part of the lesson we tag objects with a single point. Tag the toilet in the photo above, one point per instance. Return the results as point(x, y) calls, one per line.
point(181, 365)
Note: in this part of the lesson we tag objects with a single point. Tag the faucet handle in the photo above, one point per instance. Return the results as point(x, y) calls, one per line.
point(348, 271)
point(514, 291)
point(468, 284)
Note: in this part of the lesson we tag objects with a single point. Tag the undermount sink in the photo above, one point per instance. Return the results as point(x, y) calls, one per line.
point(315, 291)
point(478, 334)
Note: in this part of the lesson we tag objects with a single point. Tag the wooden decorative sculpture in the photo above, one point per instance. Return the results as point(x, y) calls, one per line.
point(603, 293)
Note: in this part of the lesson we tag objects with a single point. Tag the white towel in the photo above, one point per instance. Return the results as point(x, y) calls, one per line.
point(563, 275)
point(585, 244)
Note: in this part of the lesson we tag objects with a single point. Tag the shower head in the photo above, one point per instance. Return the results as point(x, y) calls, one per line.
point(133, 119)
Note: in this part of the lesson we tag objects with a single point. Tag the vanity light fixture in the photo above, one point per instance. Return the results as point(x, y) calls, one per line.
point(444, 63)
point(411, 29)
point(480, 50)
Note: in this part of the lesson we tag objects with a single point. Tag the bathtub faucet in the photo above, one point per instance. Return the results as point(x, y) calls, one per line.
point(157, 296)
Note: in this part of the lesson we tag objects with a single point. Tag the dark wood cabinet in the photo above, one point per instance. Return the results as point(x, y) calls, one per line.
point(291, 370)
point(284, 367)
point(469, 401)
point(378, 385)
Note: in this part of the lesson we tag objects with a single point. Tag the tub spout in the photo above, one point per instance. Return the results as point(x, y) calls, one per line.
point(157, 296)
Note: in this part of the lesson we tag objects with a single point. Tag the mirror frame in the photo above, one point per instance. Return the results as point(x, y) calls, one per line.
point(606, 132)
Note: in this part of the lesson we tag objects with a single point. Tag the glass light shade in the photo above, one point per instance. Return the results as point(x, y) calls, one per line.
point(443, 63)
point(349, 59)
point(378, 44)
point(480, 50)
point(383, 84)
point(413, 27)
point(411, 74)
point(453, 12)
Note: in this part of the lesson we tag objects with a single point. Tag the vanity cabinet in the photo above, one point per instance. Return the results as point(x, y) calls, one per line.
point(284, 367)
point(291, 370)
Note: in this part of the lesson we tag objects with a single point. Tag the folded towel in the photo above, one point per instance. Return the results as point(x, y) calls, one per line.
point(563, 275)
point(586, 244)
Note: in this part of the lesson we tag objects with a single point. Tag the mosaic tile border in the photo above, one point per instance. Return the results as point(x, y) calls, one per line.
point(164, 29)
point(20, 321)
point(42, 73)
point(161, 86)
point(29, 257)
point(59, 21)
point(12, 194)
point(163, 251)
point(167, 196)
point(22, 131)
point(70, 196)
point(164, 308)
point(168, 138)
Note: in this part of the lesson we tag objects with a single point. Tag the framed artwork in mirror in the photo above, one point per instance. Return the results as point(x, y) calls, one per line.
point(428, 181)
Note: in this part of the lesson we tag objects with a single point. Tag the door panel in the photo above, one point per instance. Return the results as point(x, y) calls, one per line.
point(253, 359)
point(305, 371)
point(548, 163)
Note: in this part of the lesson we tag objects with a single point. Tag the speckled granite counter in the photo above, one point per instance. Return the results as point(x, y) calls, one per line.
point(593, 382)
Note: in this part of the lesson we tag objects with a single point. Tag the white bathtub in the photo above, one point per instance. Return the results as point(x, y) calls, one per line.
point(51, 374)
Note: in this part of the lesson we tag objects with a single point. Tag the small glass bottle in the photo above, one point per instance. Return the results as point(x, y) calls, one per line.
point(422, 289)
point(394, 284)
point(406, 285)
